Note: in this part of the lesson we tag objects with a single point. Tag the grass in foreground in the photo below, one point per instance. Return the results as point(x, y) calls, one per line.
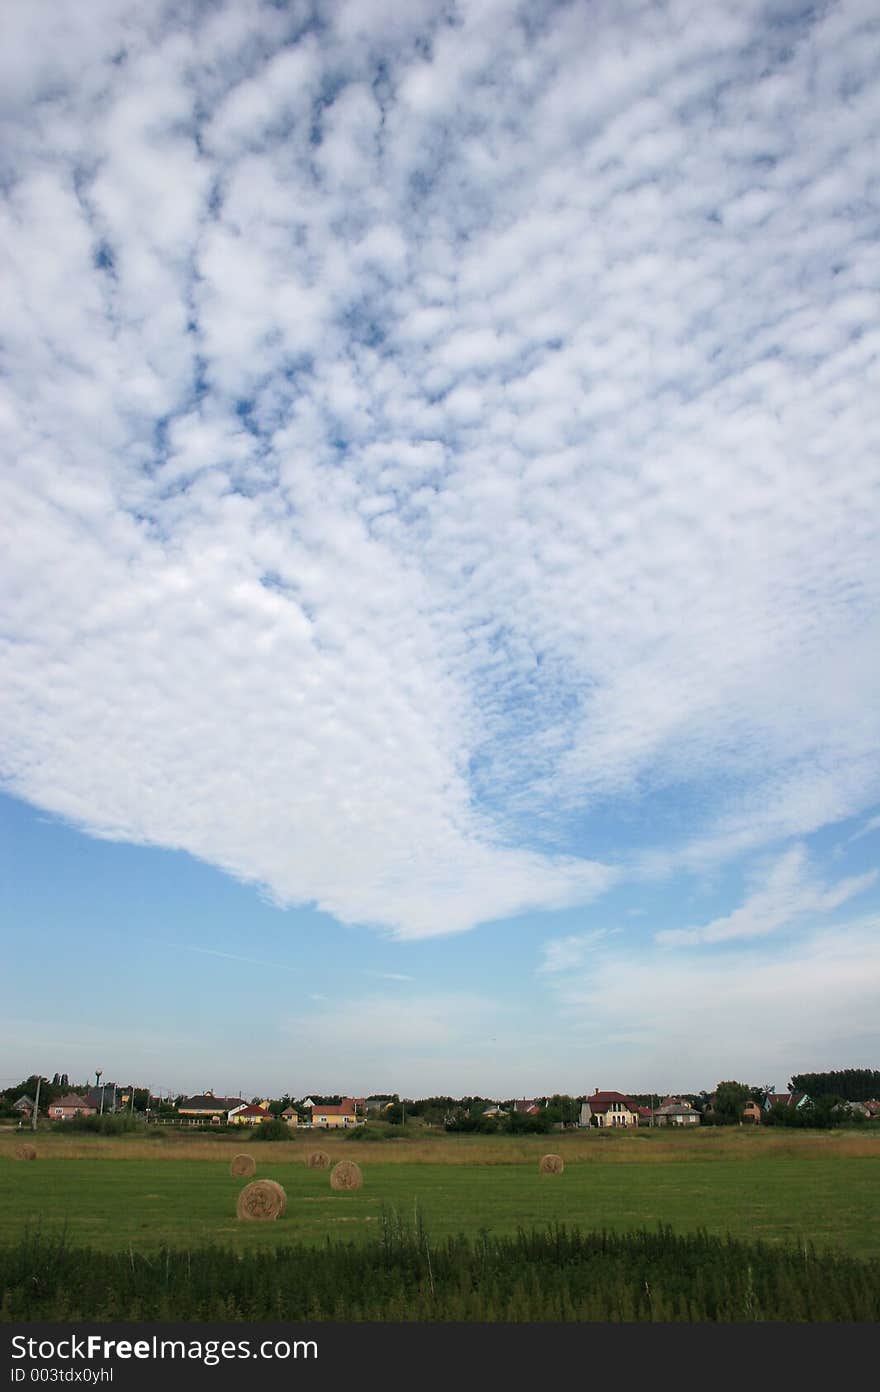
point(557, 1275)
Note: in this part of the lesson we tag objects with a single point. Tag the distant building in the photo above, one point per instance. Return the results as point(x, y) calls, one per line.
point(335, 1117)
point(206, 1107)
point(252, 1114)
point(24, 1106)
point(606, 1109)
point(65, 1108)
point(785, 1099)
point(677, 1114)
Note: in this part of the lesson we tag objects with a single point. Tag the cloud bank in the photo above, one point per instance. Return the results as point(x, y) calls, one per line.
point(431, 429)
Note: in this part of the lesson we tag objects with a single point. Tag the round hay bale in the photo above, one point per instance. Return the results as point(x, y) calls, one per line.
point(318, 1160)
point(346, 1175)
point(261, 1201)
point(242, 1166)
point(25, 1152)
point(551, 1164)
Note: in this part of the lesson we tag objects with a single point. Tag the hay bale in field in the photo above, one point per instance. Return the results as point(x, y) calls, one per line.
point(25, 1152)
point(318, 1160)
point(242, 1166)
point(551, 1164)
point(346, 1175)
point(261, 1201)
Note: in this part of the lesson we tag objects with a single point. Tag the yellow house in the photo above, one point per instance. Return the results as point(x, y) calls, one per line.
point(330, 1117)
point(253, 1115)
point(609, 1109)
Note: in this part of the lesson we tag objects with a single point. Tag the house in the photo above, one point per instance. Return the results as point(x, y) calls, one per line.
point(609, 1109)
point(64, 1108)
point(526, 1107)
point(254, 1114)
point(785, 1099)
point(335, 1117)
point(494, 1111)
point(206, 1107)
point(24, 1106)
point(751, 1112)
point(290, 1116)
point(646, 1116)
point(677, 1114)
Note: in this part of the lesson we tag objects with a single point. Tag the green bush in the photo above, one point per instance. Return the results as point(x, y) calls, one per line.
point(272, 1131)
point(110, 1124)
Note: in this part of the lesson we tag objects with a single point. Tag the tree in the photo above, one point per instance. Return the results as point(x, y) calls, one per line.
point(567, 1108)
point(851, 1084)
point(730, 1098)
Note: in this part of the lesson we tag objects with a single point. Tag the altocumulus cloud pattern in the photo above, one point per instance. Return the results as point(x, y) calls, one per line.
point(432, 428)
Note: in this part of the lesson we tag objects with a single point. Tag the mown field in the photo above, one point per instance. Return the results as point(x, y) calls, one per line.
point(138, 1195)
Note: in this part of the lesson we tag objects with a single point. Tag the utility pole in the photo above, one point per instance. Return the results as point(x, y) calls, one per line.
point(98, 1072)
point(36, 1106)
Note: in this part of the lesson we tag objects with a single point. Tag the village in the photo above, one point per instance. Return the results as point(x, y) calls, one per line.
point(730, 1103)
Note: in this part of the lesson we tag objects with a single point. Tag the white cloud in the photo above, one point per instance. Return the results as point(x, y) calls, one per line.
point(564, 954)
point(421, 434)
point(749, 1012)
point(786, 893)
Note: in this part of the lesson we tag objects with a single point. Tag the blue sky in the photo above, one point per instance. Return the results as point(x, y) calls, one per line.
point(440, 570)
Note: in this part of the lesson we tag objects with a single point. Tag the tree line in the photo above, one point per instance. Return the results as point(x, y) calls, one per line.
point(848, 1084)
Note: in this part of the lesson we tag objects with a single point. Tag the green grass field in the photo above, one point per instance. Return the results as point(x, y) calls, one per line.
point(822, 1195)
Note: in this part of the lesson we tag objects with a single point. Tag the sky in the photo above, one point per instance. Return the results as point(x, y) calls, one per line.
point(439, 507)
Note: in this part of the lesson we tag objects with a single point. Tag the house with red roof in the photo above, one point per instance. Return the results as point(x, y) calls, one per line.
point(604, 1109)
point(342, 1115)
point(254, 1114)
point(785, 1099)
